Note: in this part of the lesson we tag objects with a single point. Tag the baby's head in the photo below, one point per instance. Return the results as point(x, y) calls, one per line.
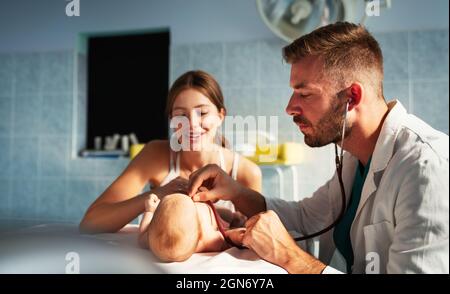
point(173, 233)
point(181, 227)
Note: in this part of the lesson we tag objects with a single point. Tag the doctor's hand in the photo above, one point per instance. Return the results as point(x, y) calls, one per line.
point(266, 235)
point(212, 183)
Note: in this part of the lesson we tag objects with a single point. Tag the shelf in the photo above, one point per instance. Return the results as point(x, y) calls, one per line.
point(103, 153)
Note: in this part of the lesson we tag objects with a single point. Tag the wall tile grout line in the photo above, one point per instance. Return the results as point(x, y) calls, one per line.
point(75, 86)
point(74, 135)
point(12, 126)
point(39, 139)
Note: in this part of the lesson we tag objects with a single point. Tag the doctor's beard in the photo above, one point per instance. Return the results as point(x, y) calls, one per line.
point(329, 127)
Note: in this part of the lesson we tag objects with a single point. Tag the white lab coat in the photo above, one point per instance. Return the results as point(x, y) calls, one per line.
point(401, 224)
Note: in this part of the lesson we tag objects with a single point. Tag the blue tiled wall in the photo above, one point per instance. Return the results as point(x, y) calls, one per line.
point(39, 179)
point(42, 125)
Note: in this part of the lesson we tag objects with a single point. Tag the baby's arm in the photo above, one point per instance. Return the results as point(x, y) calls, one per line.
point(150, 206)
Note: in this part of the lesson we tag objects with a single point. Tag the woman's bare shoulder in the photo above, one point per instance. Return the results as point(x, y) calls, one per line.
point(229, 157)
point(157, 146)
point(154, 158)
point(249, 174)
point(247, 170)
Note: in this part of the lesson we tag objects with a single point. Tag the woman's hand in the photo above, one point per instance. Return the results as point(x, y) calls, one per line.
point(177, 185)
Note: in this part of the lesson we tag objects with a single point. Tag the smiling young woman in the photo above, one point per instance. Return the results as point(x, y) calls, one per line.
point(196, 98)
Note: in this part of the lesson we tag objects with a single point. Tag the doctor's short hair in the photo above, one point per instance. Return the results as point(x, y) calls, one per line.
point(347, 50)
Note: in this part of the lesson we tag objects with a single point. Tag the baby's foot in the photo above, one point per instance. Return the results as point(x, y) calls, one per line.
point(151, 203)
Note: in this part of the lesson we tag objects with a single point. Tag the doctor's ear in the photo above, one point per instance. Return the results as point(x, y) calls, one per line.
point(354, 94)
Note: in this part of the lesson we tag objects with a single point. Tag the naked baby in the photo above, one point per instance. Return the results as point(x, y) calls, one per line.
point(176, 227)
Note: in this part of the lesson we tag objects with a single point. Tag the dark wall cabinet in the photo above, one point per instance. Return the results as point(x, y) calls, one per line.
point(128, 80)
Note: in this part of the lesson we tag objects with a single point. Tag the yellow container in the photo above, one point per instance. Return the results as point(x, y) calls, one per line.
point(135, 149)
point(283, 154)
point(290, 152)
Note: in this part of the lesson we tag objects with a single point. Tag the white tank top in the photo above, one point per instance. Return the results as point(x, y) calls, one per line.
point(174, 172)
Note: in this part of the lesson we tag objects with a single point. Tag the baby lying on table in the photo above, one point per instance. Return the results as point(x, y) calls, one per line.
point(176, 227)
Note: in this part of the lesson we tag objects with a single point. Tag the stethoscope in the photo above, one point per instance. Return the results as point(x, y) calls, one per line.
point(221, 229)
point(339, 164)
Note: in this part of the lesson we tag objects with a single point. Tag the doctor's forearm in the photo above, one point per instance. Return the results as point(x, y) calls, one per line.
point(249, 202)
point(300, 262)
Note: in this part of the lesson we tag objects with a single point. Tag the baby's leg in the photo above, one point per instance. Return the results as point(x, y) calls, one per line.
point(150, 206)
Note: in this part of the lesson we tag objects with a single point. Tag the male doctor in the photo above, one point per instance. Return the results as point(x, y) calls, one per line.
point(395, 169)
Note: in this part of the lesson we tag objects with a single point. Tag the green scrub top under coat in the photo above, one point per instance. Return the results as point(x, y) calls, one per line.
point(341, 234)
